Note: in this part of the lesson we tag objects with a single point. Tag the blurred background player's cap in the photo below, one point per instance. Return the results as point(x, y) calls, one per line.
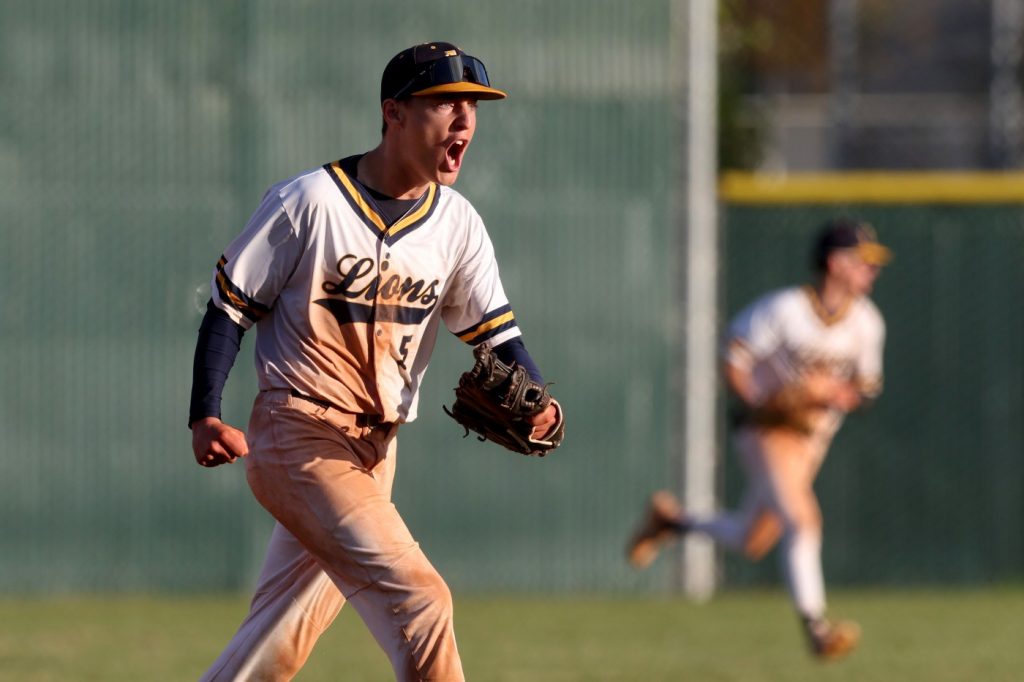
point(847, 233)
point(435, 69)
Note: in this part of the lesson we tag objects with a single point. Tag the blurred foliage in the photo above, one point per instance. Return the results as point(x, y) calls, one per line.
point(741, 123)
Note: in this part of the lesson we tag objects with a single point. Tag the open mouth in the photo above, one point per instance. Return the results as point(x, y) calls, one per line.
point(453, 154)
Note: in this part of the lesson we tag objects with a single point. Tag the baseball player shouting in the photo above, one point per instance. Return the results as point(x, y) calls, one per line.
point(347, 270)
point(798, 359)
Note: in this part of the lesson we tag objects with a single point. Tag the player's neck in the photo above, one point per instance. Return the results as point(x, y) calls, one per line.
point(832, 295)
point(387, 175)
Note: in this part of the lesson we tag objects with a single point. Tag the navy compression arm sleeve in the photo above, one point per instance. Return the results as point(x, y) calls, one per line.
point(514, 351)
point(216, 350)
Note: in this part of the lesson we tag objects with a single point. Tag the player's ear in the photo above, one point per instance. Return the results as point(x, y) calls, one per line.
point(392, 112)
point(833, 262)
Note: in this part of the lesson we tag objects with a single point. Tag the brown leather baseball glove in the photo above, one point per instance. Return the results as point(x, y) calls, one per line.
point(495, 401)
point(800, 405)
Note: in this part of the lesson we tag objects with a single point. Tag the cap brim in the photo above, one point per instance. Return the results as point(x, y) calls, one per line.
point(874, 253)
point(462, 88)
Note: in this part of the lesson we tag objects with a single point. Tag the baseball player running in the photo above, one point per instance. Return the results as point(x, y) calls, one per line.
point(347, 270)
point(798, 359)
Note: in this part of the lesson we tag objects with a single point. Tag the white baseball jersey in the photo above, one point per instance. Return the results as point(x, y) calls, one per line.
point(346, 308)
point(788, 333)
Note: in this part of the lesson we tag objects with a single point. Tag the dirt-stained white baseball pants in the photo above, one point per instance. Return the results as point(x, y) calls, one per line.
point(778, 503)
point(338, 538)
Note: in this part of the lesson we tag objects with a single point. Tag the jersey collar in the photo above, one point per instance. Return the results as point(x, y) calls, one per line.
point(364, 206)
point(827, 318)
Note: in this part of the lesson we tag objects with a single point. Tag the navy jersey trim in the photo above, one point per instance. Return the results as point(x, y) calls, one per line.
point(492, 324)
point(235, 297)
point(364, 206)
point(347, 312)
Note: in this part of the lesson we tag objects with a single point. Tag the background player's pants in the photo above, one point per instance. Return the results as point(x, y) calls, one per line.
point(780, 466)
point(338, 538)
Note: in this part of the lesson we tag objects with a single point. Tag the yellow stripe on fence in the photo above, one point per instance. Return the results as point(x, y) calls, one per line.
point(873, 188)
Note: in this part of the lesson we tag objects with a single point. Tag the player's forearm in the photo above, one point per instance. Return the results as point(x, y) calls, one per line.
point(816, 393)
point(216, 349)
point(741, 384)
point(790, 398)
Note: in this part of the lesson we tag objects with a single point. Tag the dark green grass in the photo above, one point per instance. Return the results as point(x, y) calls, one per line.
point(934, 636)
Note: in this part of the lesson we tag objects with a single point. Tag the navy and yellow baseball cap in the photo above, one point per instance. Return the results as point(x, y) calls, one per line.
point(847, 233)
point(436, 69)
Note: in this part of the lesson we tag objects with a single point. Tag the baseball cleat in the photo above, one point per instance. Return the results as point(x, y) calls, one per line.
point(662, 525)
point(832, 641)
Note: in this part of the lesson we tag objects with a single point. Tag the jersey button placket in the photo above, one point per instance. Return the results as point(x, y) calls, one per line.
point(380, 301)
point(382, 342)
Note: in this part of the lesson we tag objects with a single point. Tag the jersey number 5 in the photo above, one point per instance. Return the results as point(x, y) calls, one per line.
point(403, 350)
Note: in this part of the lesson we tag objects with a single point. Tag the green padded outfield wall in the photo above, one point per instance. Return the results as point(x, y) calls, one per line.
point(136, 136)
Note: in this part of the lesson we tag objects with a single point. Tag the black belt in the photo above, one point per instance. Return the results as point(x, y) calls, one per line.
point(362, 420)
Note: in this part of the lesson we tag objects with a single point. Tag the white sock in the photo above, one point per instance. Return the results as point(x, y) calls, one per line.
point(801, 565)
point(728, 530)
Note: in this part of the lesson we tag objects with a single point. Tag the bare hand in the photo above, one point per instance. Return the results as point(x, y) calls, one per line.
point(215, 443)
point(846, 397)
point(544, 422)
